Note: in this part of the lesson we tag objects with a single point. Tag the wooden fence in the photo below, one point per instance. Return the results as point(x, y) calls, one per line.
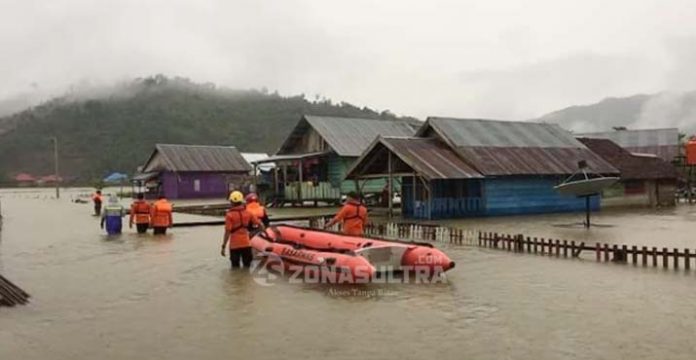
point(602, 252)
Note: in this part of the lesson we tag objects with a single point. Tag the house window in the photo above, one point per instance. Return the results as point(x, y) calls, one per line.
point(634, 187)
point(197, 185)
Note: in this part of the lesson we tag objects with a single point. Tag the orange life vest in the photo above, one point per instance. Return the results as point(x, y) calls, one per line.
point(237, 221)
point(161, 213)
point(354, 216)
point(140, 212)
point(96, 198)
point(256, 209)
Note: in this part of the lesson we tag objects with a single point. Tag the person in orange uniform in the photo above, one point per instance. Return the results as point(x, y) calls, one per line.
point(97, 200)
point(255, 207)
point(140, 214)
point(161, 216)
point(237, 222)
point(353, 216)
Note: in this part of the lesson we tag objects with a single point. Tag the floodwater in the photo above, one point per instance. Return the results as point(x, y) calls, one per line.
point(141, 297)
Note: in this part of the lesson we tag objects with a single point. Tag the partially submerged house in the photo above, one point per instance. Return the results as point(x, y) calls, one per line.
point(193, 171)
point(467, 167)
point(664, 143)
point(311, 163)
point(646, 180)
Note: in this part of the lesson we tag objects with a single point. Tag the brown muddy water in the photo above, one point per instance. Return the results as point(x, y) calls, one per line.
point(140, 297)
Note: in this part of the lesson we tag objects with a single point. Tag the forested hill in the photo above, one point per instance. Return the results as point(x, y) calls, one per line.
point(115, 129)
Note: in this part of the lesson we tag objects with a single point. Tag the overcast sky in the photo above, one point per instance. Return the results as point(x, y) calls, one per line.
point(508, 59)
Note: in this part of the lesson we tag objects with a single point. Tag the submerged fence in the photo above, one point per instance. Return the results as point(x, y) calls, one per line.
point(519, 243)
point(11, 294)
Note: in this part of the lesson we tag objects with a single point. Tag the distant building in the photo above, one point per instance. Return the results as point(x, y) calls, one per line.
point(469, 167)
point(193, 171)
point(664, 143)
point(311, 163)
point(646, 180)
point(49, 179)
point(24, 179)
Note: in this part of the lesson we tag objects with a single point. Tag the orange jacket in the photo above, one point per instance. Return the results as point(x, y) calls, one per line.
point(353, 215)
point(96, 198)
point(140, 212)
point(237, 221)
point(161, 213)
point(257, 209)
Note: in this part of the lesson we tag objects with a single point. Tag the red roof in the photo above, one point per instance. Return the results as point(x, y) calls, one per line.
point(51, 178)
point(24, 177)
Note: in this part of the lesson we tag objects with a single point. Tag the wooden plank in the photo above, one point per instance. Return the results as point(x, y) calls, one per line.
point(654, 256)
point(634, 255)
point(676, 258)
point(598, 252)
point(558, 248)
point(665, 258)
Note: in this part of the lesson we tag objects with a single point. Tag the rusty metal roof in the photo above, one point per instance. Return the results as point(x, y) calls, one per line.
point(349, 136)
point(661, 142)
point(632, 167)
point(196, 158)
point(515, 148)
point(429, 157)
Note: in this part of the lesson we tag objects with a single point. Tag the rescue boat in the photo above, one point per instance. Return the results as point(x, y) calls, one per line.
point(343, 254)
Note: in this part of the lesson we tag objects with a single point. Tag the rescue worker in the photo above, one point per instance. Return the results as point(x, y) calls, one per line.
point(255, 207)
point(161, 216)
point(97, 200)
point(238, 220)
point(353, 216)
point(140, 214)
point(111, 216)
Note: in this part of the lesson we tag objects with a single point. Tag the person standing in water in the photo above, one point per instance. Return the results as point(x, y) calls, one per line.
point(255, 207)
point(238, 220)
point(353, 216)
point(161, 216)
point(140, 214)
point(111, 216)
point(97, 200)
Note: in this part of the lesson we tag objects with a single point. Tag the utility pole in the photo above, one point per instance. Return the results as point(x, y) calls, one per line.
point(55, 164)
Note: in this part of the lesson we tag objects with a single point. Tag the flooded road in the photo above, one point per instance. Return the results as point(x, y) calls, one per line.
point(141, 297)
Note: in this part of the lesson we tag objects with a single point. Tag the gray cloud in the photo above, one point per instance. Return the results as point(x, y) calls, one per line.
point(497, 58)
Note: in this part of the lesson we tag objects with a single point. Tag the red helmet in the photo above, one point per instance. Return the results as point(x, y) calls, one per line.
point(251, 197)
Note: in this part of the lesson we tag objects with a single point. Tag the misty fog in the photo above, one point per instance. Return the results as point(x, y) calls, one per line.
point(493, 59)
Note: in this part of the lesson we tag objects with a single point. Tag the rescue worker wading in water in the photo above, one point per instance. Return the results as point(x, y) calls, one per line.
point(238, 220)
point(255, 207)
point(161, 216)
point(97, 200)
point(353, 216)
point(140, 214)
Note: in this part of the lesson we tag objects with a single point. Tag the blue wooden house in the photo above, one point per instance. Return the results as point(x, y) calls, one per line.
point(469, 167)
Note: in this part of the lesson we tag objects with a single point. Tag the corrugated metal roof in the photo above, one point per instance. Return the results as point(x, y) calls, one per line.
point(639, 138)
point(198, 158)
point(631, 166)
point(516, 148)
point(351, 136)
point(430, 158)
point(661, 142)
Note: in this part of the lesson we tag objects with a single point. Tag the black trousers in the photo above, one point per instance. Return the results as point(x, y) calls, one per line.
point(159, 230)
point(97, 208)
point(241, 256)
point(142, 228)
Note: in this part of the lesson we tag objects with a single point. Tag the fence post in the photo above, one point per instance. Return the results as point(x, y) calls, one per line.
point(654, 256)
point(665, 258)
point(606, 252)
point(676, 258)
point(687, 261)
point(634, 254)
point(598, 252)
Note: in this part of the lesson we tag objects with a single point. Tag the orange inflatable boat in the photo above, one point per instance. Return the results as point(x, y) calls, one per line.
point(344, 254)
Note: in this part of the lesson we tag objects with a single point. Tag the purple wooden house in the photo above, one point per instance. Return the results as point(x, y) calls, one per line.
point(193, 171)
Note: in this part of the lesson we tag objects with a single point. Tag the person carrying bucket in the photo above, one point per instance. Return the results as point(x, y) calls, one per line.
point(140, 214)
point(238, 220)
point(353, 216)
point(111, 216)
